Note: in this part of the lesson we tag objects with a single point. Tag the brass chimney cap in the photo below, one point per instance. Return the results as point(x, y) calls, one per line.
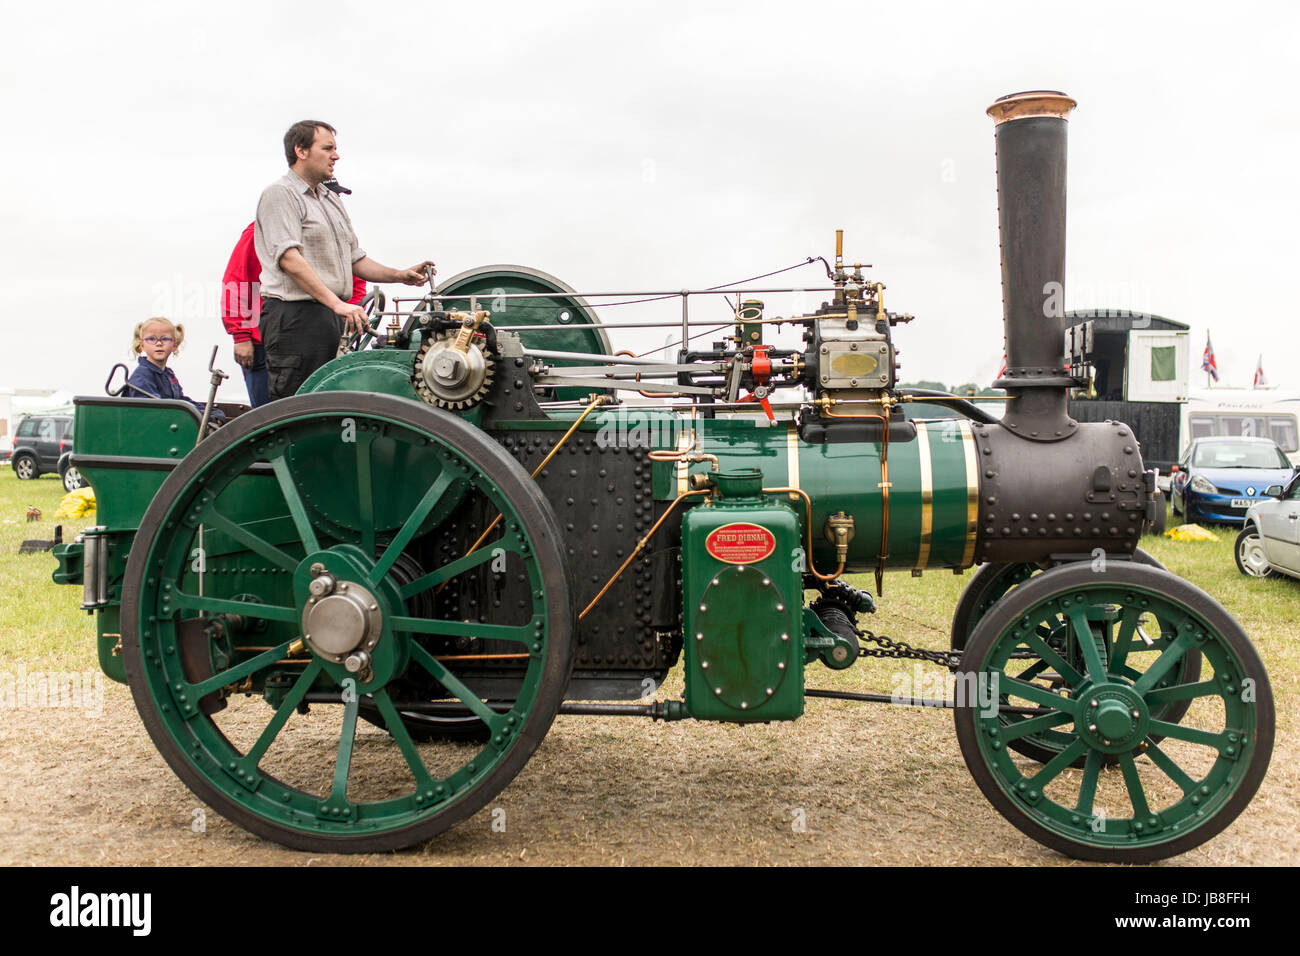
point(1016, 106)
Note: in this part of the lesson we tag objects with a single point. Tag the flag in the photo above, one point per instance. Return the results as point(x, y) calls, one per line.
point(1259, 373)
point(1207, 359)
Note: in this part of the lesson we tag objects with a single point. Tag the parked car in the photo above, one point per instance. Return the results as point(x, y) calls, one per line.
point(39, 440)
point(1218, 479)
point(1269, 541)
point(72, 479)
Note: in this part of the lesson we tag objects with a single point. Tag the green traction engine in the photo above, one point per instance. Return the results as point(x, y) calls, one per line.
point(472, 520)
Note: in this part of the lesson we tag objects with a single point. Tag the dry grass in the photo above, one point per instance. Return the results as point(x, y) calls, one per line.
point(875, 784)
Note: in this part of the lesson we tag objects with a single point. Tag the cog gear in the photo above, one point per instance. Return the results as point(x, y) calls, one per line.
point(451, 379)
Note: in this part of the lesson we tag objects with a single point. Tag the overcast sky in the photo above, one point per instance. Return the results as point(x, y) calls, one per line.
point(650, 145)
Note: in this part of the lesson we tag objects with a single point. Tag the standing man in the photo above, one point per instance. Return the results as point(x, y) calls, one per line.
point(241, 305)
point(309, 254)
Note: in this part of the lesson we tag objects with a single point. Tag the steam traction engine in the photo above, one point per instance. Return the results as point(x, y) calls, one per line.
point(457, 529)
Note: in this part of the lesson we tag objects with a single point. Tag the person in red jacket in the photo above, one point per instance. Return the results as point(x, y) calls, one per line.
point(240, 307)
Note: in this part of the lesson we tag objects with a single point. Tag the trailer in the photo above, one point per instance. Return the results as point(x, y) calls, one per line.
point(1268, 412)
point(1141, 378)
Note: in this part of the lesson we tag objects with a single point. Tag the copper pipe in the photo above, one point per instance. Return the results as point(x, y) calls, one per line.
point(884, 509)
point(939, 399)
point(640, 546)
point(598, 400)
point(484, 657)
point(807, 503)
point(884, 481)
point(680, 456)
point(642, 392)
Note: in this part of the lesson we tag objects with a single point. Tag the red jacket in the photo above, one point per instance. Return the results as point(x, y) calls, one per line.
point(240, 303)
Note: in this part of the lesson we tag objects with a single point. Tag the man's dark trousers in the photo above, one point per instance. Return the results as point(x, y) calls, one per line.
point(299, 338)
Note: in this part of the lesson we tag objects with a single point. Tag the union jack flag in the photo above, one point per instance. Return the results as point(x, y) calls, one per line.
point(1207, 359)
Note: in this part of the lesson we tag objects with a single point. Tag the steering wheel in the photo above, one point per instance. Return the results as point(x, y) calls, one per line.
point(373, 306)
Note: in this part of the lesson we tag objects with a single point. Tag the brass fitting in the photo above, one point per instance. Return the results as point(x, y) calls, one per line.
point(469, 323)
point(839, 532)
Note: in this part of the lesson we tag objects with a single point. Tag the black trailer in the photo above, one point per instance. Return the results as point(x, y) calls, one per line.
point(1142, 365)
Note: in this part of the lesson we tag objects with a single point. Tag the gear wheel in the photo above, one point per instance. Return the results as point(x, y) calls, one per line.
point(450, 379)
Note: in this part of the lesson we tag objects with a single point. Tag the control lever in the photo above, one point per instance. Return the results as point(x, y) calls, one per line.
point(218, 377)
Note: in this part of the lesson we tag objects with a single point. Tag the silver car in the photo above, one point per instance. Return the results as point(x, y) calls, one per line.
point(1269, 542)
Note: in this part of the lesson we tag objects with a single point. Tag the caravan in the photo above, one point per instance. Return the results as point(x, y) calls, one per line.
point(1249, 412)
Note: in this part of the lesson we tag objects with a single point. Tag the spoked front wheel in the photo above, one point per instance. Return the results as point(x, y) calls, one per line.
point(254, 637)
point(1174, 783)
point(993, 582)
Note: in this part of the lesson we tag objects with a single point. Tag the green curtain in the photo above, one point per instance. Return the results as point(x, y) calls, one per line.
point(1162, 363)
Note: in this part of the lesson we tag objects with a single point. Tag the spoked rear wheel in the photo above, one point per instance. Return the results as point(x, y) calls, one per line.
point(1174, 783)
point(235, 600)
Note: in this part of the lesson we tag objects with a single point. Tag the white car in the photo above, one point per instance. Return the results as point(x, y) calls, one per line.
point(1269, 542)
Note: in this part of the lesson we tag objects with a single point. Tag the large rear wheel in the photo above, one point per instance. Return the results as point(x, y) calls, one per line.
point(254, 637)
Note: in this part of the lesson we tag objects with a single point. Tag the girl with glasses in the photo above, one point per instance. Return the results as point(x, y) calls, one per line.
point(155, 341)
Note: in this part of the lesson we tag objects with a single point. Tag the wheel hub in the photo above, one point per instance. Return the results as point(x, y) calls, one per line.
point(450, 378)
point(340, 617)
point(1113, 718)
point(1253, 556)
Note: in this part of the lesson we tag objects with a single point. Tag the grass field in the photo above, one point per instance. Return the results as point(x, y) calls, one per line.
point(42, 625)
point(881, 784)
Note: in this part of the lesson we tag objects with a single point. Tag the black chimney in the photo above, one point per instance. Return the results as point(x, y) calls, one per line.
point(1030, 135)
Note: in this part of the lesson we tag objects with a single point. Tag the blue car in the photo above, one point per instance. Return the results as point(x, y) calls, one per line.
point(1218, 479)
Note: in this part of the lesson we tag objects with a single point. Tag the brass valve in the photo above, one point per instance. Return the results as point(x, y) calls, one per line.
point(839, 532)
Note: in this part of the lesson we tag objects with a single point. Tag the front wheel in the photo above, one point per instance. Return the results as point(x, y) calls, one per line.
point(72, 479)
point(992, 582)
point(1175, 783)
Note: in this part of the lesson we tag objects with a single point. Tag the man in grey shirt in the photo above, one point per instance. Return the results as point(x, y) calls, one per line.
point(309, 253)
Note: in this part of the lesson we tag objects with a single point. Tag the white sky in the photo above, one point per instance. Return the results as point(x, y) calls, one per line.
point(649, 145)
